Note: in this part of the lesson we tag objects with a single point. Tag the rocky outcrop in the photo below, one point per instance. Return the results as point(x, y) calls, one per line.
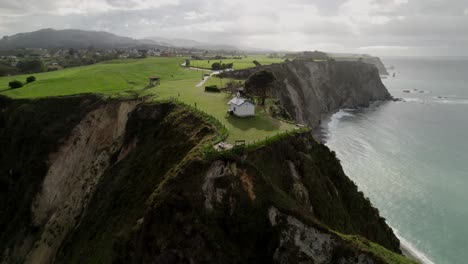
point(310, 90)
point(74, 171)
point(288, 202)
point(302, 243)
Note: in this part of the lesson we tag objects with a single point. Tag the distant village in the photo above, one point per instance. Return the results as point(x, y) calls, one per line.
point(22, 61)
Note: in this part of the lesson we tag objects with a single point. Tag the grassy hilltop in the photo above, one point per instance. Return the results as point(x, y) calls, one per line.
point(128, 77)
point(239, 64)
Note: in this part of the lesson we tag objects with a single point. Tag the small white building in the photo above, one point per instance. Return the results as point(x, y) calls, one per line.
point(241, 107)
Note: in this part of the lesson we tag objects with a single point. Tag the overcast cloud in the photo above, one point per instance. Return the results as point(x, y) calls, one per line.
point(381, 27)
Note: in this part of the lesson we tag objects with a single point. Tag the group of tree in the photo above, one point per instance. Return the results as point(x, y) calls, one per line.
point(31, 66)
point(259, 84)
point(233, 86)
point(274, 55)
point(218, 66)
point(23, 67)
point(6, 70)
point(18, 84)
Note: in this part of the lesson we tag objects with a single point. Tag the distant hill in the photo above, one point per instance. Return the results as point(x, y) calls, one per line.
point(70, 38)
point(188, 43)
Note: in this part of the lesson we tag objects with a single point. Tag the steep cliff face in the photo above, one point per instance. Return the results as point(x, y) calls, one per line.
point(124, 181)
point(59, 164)
point(30, 131)
point(311, 90)
point(376, 61)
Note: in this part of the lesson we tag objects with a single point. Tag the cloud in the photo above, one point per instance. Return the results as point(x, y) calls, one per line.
point(384, 47)
point(341, 25)
point(192, 15)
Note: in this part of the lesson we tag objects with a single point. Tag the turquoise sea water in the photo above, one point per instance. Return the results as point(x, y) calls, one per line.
point(411, 158)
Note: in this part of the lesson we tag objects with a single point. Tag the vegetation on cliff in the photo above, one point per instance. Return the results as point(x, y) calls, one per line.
point(159, 199)
point(29, 131)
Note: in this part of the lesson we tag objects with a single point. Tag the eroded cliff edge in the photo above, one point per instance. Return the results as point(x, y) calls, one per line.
point(87, 180)
point(312, 90)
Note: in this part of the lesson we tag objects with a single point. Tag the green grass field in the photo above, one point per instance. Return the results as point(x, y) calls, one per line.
point(124, 77)
point(238, 63)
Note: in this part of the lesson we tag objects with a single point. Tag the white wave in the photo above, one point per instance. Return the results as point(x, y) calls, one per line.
point(410, 249)
point(413, 100)
point(449, 101)
point(335, 119)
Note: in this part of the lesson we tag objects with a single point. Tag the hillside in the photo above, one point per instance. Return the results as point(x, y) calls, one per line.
point(69, 38)
point(87, 180)
point(123, 78)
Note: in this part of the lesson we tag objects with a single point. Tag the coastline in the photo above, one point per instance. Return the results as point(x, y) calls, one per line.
point(320, 133)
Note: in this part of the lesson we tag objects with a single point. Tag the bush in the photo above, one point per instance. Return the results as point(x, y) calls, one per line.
point(15, 84)
point(30, 79)
point(212, 88)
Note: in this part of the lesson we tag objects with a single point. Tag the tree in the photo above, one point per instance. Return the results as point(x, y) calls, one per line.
point(257, 64)
point(216, 66)
point(232, 86)
point(30, 79)
point(259, 84)
point(187, 63)
point(6, 70)
point(15, 84)
point(31, 66)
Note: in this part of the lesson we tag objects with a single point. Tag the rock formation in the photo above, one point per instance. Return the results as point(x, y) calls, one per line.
point(87, 180)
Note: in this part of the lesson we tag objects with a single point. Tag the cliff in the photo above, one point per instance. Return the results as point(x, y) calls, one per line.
point(376, 61)
point(86, 180)
point(310, 90)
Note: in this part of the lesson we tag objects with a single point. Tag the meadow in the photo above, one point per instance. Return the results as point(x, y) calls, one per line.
point(129, 77)
point(238, 64)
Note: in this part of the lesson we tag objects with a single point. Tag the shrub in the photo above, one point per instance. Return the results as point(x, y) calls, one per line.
point(212, 88)
point(15, 84)
point(30, 79)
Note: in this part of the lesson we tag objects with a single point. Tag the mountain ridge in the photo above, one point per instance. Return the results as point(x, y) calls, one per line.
point(70, 38)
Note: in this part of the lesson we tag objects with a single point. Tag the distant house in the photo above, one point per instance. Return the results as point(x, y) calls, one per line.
point(241, 107)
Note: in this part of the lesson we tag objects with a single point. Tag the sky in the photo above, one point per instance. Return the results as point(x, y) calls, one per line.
point(379, 27)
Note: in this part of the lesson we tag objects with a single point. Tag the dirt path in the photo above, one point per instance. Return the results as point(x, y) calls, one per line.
point(205, 78)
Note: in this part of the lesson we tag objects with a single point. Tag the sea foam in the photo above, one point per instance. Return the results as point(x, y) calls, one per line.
point(411, 251)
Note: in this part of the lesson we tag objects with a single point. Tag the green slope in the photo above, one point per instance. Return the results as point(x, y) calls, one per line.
point(129, 77)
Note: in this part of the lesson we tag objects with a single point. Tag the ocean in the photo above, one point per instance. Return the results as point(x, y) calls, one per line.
point(411, 157)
